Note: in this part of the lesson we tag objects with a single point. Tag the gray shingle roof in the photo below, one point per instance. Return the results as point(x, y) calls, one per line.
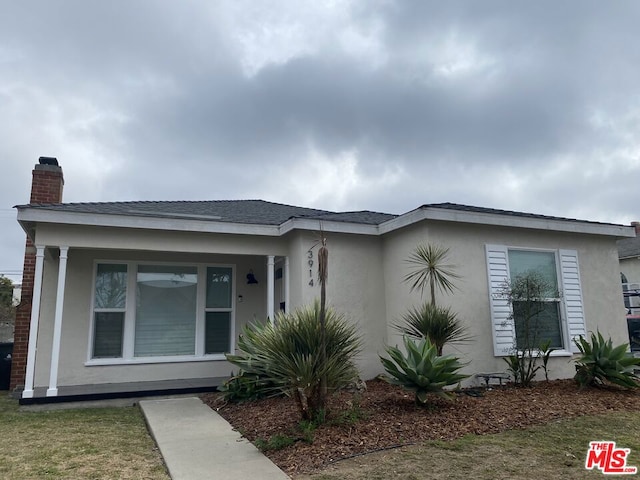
point(494, 211)
point(259, 212)
point(234, 211)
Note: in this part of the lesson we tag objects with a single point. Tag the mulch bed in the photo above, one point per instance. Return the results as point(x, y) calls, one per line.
point(391, 418)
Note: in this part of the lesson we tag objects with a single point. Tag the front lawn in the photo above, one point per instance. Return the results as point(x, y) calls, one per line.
point(92, 443)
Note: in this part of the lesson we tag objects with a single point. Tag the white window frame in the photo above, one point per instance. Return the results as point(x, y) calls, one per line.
point(130, 316)
point(568, 276)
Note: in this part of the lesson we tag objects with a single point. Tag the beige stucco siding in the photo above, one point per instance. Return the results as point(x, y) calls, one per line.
point(355, 286)
point(598, 271)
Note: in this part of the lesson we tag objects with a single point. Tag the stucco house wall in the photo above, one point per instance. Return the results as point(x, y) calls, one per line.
point(598, 272)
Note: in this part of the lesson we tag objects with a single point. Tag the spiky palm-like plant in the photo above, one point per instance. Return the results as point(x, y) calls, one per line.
point(601, 362)
point(439, 324)
point(430, 268)
point(289, 355)
point(422, 369)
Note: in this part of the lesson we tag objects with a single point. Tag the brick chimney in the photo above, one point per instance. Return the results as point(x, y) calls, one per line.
point(636, 225)
point(46, 187)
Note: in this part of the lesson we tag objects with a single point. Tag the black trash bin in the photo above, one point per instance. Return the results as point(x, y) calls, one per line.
point(6, 349)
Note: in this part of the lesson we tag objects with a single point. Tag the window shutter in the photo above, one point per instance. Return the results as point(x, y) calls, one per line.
point(572, 295)
point(501, 325)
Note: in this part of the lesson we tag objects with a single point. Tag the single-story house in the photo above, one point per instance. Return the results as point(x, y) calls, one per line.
point(629, 257)
point(120, 298)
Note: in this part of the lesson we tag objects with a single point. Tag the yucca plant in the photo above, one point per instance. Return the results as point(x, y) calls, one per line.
point(421, 369)
point(439, 324)
point(430, 268)
point(602, 363)
point(288, 353)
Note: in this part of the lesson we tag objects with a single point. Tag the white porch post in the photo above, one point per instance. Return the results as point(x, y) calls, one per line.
point(52, 391)
point(270, 287)
point(287, 292)
point(33, 325)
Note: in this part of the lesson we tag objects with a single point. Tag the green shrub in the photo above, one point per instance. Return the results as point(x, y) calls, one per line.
point(287, 353)
point(421, 369)
point(438, 324)
point(246, 387)
point(277, 442)
point(601, 363)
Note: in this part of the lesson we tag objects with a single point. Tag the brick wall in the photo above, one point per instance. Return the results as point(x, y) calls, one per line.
point(46, 187)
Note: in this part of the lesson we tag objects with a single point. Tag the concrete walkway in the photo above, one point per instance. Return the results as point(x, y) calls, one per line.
point(197, 443)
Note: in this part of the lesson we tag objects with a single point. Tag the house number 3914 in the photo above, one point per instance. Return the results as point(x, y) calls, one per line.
point(310, 263)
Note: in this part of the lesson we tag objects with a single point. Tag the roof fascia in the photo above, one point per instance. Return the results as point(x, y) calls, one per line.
point(35, 215)
point(153, 223)
point(315, 224)
point(493, 219)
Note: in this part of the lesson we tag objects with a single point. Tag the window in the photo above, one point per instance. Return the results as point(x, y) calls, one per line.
point(218, 310)
point(144, 312)
point(536, 314)
point(561, 315)
point(165, 311)
point(109, 310)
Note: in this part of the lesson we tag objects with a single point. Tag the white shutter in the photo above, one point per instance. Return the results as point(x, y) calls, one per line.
point(501, 323)
point(572, 295)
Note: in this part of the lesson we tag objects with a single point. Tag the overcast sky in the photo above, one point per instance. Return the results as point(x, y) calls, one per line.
point(339, 105)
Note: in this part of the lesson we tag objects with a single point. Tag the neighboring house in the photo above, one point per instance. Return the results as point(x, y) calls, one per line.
point(629, 256)
point(120, 298)
point(17, 291)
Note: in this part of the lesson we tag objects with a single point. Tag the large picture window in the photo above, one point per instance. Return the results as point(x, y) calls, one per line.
point(143, 312)
point(165, 311)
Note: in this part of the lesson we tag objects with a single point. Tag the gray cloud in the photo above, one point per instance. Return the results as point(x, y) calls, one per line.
point(377, 105)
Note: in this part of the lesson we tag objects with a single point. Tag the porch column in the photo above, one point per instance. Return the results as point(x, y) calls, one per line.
point(52, 391)
point(270, 287)
point(33, 326)
point(287, 292)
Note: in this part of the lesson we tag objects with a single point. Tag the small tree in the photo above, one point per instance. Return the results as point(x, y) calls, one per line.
point(7, 309)
point(528, 295)
point(430, 268)
point(6, 291)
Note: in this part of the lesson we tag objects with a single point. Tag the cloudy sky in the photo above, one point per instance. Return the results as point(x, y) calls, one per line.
point(341, 105)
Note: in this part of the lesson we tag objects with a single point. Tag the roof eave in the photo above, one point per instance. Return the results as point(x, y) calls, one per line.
point(483, 218)
point(30, 216)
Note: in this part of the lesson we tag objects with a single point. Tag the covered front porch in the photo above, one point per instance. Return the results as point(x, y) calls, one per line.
point(124, 322)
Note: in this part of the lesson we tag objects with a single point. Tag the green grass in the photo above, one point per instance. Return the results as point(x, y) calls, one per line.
point(554, 451)
point(92, 443)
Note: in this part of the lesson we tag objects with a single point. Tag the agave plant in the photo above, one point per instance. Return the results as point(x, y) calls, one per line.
point(421, 369)
point(439, 324)
point(601, 363)
point(430, 268)
point(287, 353)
